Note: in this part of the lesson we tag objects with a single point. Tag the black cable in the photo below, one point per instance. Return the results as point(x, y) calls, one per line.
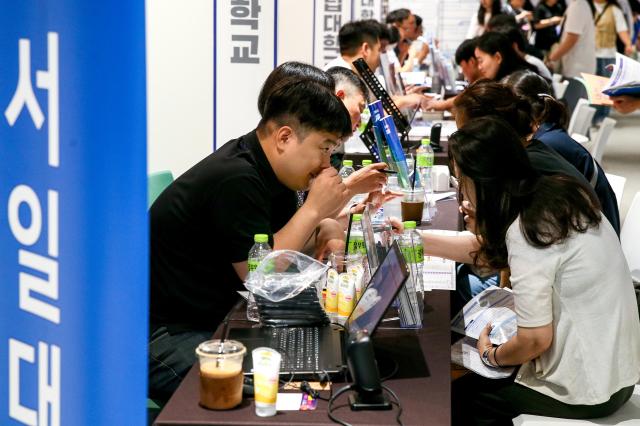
point(333, 398)
point(396, 367)
point(396, 402)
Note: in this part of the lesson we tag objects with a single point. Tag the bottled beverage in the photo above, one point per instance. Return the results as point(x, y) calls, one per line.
point(366, 163)
point(258, 252)
point(424, 158)
point(413, 252)
point(347, 169)
point(356, 237)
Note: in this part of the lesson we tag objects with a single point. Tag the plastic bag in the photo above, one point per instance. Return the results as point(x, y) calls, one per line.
point(284, 274)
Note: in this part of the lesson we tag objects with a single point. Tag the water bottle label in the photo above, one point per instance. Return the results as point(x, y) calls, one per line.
point(424, 160)
point(253, 263)
point(413, 254)
point(356, 245)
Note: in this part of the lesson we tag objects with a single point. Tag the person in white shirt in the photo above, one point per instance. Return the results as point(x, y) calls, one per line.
point(577, 345)
point(481, 18)
point(358, 39)
point(576, 51)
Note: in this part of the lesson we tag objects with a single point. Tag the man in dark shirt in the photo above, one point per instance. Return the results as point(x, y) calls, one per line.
point(202, 226)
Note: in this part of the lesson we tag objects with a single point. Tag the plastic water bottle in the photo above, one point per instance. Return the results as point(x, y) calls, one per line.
point(258, 252)
point(347, 169)
point(356, 237)
point(413, 252)
point(424, 158)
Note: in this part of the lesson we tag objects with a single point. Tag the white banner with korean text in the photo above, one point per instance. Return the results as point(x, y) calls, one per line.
point(245, 34)
point(367, 9)
point(329, 16)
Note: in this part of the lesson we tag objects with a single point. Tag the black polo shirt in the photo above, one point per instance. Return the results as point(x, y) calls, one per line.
point(205, 221)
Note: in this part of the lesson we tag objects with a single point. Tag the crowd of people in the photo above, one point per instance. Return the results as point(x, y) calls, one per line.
point(539, 208)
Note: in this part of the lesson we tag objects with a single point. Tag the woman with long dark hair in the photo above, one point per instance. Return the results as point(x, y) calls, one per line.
point(479, 21)
point(497, 58)
point(577, 345)
point(550, 119)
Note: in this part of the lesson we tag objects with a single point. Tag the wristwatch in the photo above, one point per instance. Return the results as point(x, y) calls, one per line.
point(485, 357)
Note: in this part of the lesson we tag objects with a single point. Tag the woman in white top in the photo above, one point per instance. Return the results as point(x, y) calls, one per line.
point(480, 19)
point(577, 345)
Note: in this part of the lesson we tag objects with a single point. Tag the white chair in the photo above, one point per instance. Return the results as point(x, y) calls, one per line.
point(617, 184)
point(581, 118)
point(630, 237)
point(601, 138)
point(627, 415)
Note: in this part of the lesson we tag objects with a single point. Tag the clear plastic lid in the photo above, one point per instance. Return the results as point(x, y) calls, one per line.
point(220, 349)
point(410, 224)
point(261, 238)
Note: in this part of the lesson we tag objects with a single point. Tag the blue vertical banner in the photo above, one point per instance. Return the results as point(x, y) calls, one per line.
point(73, 222)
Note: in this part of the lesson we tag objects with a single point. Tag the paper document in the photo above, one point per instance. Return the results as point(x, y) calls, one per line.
point(438, 274)
point(493, 306)
point(465, 353)
point(595, 85)
point(625, 78)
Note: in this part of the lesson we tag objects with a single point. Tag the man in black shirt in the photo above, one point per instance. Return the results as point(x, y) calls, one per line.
point(202, 226)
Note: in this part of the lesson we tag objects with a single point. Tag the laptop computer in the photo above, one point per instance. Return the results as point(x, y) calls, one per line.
point(309, 350)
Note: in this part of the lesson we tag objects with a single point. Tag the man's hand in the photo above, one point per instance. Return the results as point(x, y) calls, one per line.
point(625, 104)
point(367, 179)
point(327, 194)
point(330, 239)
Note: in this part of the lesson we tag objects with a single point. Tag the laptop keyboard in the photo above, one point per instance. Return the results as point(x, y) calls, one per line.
point(299, 346)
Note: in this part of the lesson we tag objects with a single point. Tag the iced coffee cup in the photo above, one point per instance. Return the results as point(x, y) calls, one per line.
point(221, 373)
point(412, 205)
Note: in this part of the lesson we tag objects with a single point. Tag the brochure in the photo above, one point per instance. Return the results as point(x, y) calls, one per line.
point(493, 306)
point(625, 78)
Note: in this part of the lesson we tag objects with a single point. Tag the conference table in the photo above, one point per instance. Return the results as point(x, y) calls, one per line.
point(422, 382)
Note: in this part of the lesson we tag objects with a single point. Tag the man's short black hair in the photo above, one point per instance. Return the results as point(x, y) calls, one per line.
point(353, 34)
point(397, 16)
point(513, 34)
point(306, 105)
point(466, 50)
point(502, 20)
point(418, 20)
point(345, 77)
point(383, 30)
point(298, 70)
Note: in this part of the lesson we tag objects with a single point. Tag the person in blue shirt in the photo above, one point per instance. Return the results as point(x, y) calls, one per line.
point(550, 119)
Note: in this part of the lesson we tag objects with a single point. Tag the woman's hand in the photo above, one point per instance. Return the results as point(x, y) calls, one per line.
point(469, 212)
point(484, 342)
